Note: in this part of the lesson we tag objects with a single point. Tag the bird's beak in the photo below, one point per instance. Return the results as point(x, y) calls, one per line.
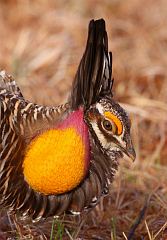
point(129, 151)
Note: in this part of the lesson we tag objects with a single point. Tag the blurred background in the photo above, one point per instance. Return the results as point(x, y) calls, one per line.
point(41, 44)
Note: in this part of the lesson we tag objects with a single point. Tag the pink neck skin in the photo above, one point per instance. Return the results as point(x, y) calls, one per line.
point(76, 120)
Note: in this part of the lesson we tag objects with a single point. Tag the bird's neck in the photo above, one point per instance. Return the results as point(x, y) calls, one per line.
point(57, 160)
point(75, 120)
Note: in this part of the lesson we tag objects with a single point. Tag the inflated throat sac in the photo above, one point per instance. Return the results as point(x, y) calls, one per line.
point(57, 160)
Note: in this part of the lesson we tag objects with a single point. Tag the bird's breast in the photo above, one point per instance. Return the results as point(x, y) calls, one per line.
point(56, 161)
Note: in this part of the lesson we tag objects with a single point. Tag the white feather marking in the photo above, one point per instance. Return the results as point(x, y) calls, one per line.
point(74, 212)
point(3, 91)
point(35, 113)
point(100, 136)
point(26, 108)
point(16, 108)
point(2, 73)
point(100, 108)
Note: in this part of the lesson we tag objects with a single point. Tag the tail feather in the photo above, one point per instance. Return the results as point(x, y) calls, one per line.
point(93, 79)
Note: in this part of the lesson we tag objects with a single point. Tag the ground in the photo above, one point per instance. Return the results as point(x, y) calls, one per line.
point(41, 43)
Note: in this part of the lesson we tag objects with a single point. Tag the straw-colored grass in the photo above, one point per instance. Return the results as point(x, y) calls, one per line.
point(41, 43)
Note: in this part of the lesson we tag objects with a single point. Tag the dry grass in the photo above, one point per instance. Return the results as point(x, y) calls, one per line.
point(41, 43)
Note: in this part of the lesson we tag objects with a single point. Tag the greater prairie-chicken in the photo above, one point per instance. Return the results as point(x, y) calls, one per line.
point(62, 159)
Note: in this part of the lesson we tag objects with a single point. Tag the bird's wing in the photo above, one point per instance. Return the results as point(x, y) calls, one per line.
point(21, 113)
point(93, 79)
point(20, 120)
point(21, 117)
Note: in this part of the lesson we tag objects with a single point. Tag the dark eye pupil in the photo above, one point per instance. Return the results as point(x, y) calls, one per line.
point(107, 125)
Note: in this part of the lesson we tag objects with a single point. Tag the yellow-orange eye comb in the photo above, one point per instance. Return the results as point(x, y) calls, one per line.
point(116, 121)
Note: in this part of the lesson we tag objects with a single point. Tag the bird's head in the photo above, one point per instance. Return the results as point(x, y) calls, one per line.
point(110, 125)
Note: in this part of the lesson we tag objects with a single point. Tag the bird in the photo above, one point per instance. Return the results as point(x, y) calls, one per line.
point(62, 159)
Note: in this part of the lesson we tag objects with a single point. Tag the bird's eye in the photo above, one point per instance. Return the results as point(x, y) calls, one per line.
point(107, 125)
point(117, 127)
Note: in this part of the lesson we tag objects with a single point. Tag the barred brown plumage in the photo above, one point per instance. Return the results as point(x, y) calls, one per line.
point(24, 124)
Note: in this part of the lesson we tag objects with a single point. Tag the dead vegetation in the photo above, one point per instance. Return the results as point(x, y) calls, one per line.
point(41, 43)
